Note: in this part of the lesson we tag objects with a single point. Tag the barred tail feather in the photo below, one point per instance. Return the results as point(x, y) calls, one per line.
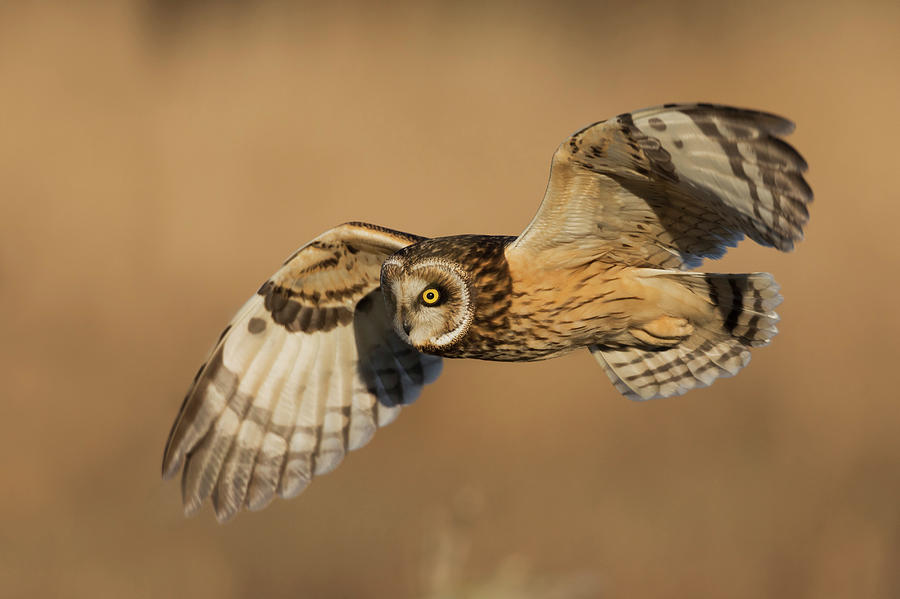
point(641, 374)
point(744, 317)
point(746, 303)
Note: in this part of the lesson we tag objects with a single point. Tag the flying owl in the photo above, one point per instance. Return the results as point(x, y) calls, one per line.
point(355, 322)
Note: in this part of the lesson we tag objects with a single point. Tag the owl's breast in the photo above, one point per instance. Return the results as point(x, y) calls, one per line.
point(556, 310)
point(525, 310)
point(509, 341)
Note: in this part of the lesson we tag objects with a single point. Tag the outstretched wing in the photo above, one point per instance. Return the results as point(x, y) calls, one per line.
point(306, 371)
point(671, 185)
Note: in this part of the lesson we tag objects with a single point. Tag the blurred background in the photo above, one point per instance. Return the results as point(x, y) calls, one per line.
point(159, 159)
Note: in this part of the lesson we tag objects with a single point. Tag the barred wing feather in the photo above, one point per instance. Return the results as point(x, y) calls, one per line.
point(307, 370)
point(668, 186)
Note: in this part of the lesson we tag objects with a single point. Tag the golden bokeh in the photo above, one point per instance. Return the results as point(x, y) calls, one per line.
point(159, 159)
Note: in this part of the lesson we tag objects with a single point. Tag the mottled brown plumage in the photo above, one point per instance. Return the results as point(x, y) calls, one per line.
point(354, 323)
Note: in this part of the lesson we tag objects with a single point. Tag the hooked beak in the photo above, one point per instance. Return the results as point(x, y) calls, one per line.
point(404, 319)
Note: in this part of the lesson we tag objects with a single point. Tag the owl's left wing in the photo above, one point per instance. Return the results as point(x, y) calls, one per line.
point(668, 186)
point(306, 371)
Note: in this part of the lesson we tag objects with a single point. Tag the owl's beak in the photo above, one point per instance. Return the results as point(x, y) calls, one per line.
point(404, 319)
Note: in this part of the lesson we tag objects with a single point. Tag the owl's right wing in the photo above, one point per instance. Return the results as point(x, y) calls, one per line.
point(306, 371)
point(668, 186)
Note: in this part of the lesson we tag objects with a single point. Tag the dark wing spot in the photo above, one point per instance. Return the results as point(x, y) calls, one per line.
point(256, 325)
point(287, 313)
point(302, 322)
point(288, 309)
point(660, 161)
point(264, 288)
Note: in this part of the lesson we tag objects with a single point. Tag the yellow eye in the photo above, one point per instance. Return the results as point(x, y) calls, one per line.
point(430, 296)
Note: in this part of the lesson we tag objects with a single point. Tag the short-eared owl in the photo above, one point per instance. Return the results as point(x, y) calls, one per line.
point(354, 323)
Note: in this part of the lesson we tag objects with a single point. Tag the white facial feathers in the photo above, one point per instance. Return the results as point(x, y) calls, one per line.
point(429, 301)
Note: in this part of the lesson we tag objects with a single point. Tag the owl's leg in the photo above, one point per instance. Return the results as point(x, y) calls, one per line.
point(664, 331)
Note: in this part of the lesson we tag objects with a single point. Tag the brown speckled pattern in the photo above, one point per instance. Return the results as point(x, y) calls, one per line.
point(323, 354)
point(490, 336)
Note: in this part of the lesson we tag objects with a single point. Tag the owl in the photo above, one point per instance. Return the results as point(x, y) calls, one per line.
point(355, 323)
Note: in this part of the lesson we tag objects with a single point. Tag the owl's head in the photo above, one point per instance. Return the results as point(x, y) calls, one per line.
point(429, 299)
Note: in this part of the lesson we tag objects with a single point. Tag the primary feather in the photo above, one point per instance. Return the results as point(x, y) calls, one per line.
point(306, 371)
point(671, 185)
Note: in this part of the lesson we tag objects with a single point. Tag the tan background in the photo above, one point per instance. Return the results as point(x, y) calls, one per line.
point(159, 159)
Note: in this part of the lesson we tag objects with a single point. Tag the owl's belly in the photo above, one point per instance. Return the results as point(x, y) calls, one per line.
point(545, 324)
point(537, 336)
point(507, 347)
point(553, 313)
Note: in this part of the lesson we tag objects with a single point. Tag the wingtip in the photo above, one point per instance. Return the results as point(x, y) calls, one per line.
point(191, 507)
point(787, 126)
point(171, 464)
point(226, 512)
point(224, 518)
point(257, 501)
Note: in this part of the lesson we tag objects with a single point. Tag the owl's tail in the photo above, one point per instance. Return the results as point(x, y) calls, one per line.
point(742, 317)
